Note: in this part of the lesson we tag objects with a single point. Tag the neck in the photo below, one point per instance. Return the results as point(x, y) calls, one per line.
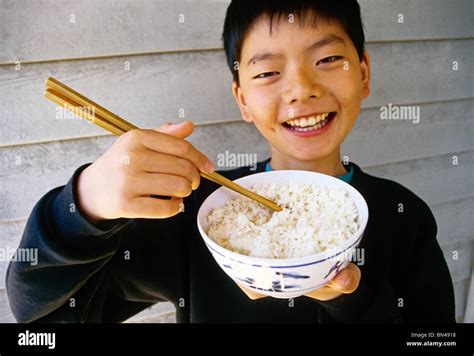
point(330, 165)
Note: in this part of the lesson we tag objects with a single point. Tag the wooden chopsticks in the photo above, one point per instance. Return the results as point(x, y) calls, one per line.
point(63, 89)
point(87, 109)
point(81, 111)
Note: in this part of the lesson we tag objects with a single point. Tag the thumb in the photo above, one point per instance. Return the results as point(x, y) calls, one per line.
point(181, 130)
point(346, 280)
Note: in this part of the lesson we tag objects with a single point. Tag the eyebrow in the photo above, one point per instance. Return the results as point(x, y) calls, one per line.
point(325, 41)
point(263, 56)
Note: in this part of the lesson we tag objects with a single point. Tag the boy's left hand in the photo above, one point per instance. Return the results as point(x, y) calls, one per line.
point(345, 282)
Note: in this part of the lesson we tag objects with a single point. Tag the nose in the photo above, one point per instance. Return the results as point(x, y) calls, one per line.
point(301, 86)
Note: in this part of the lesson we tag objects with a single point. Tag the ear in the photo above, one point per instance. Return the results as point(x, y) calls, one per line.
point(365, 74)
point(240, 100)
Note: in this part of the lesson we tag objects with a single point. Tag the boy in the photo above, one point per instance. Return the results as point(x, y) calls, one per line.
point(300, 73)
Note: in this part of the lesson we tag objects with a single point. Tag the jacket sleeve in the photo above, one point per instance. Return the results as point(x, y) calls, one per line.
point(67, 281)
point(425, 283)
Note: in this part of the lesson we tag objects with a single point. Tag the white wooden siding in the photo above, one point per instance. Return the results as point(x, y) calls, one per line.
point(177, 66)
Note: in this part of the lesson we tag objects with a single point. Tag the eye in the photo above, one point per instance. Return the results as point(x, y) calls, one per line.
point(329, 59)
point(265, 75)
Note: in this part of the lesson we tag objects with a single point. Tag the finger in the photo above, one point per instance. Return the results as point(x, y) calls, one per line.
point(154, 162)
point(346, 280)
point(167, 144)
point(151, 208)
point(161, 184)
point(251, 294)
point(181, 130)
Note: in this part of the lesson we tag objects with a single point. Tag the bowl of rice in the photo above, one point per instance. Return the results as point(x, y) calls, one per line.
point(289, 253)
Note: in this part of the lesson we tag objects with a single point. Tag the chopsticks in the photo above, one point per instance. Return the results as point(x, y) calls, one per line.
point(66, 97)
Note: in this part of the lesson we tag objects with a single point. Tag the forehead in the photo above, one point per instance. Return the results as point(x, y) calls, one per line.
point(267, 30)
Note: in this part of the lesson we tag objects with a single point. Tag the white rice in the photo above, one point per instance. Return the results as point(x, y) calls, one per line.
point(314, 219)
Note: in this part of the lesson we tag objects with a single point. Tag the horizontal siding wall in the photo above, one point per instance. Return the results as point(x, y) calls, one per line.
point(148, 70)
point(123, 27)
point(401, 75)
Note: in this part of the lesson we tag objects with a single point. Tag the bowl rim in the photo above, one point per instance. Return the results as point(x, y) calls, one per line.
point(288, 262)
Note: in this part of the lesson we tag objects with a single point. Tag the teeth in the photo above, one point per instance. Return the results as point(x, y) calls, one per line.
point(308, 121)
point(322, 117)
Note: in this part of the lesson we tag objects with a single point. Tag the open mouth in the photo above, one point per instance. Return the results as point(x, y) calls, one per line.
point(310, 123)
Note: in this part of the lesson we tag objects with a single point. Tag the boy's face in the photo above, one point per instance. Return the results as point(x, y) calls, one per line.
point(301, 72)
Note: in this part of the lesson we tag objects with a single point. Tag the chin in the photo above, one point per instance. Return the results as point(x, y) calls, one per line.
point(313, 152)
point(309, 156)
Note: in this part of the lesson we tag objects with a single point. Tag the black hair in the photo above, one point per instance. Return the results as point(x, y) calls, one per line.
point(241, 14)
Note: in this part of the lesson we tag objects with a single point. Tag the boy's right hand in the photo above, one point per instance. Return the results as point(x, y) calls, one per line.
point(142, 163)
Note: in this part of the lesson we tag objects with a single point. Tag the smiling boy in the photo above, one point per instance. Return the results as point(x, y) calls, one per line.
point(300, 74)
point(291, 76)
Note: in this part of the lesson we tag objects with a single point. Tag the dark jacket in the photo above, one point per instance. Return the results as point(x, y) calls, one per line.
point(110, 271)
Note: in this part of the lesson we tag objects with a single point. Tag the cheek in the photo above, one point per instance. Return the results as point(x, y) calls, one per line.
point(262, 104)
point(347, 90)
